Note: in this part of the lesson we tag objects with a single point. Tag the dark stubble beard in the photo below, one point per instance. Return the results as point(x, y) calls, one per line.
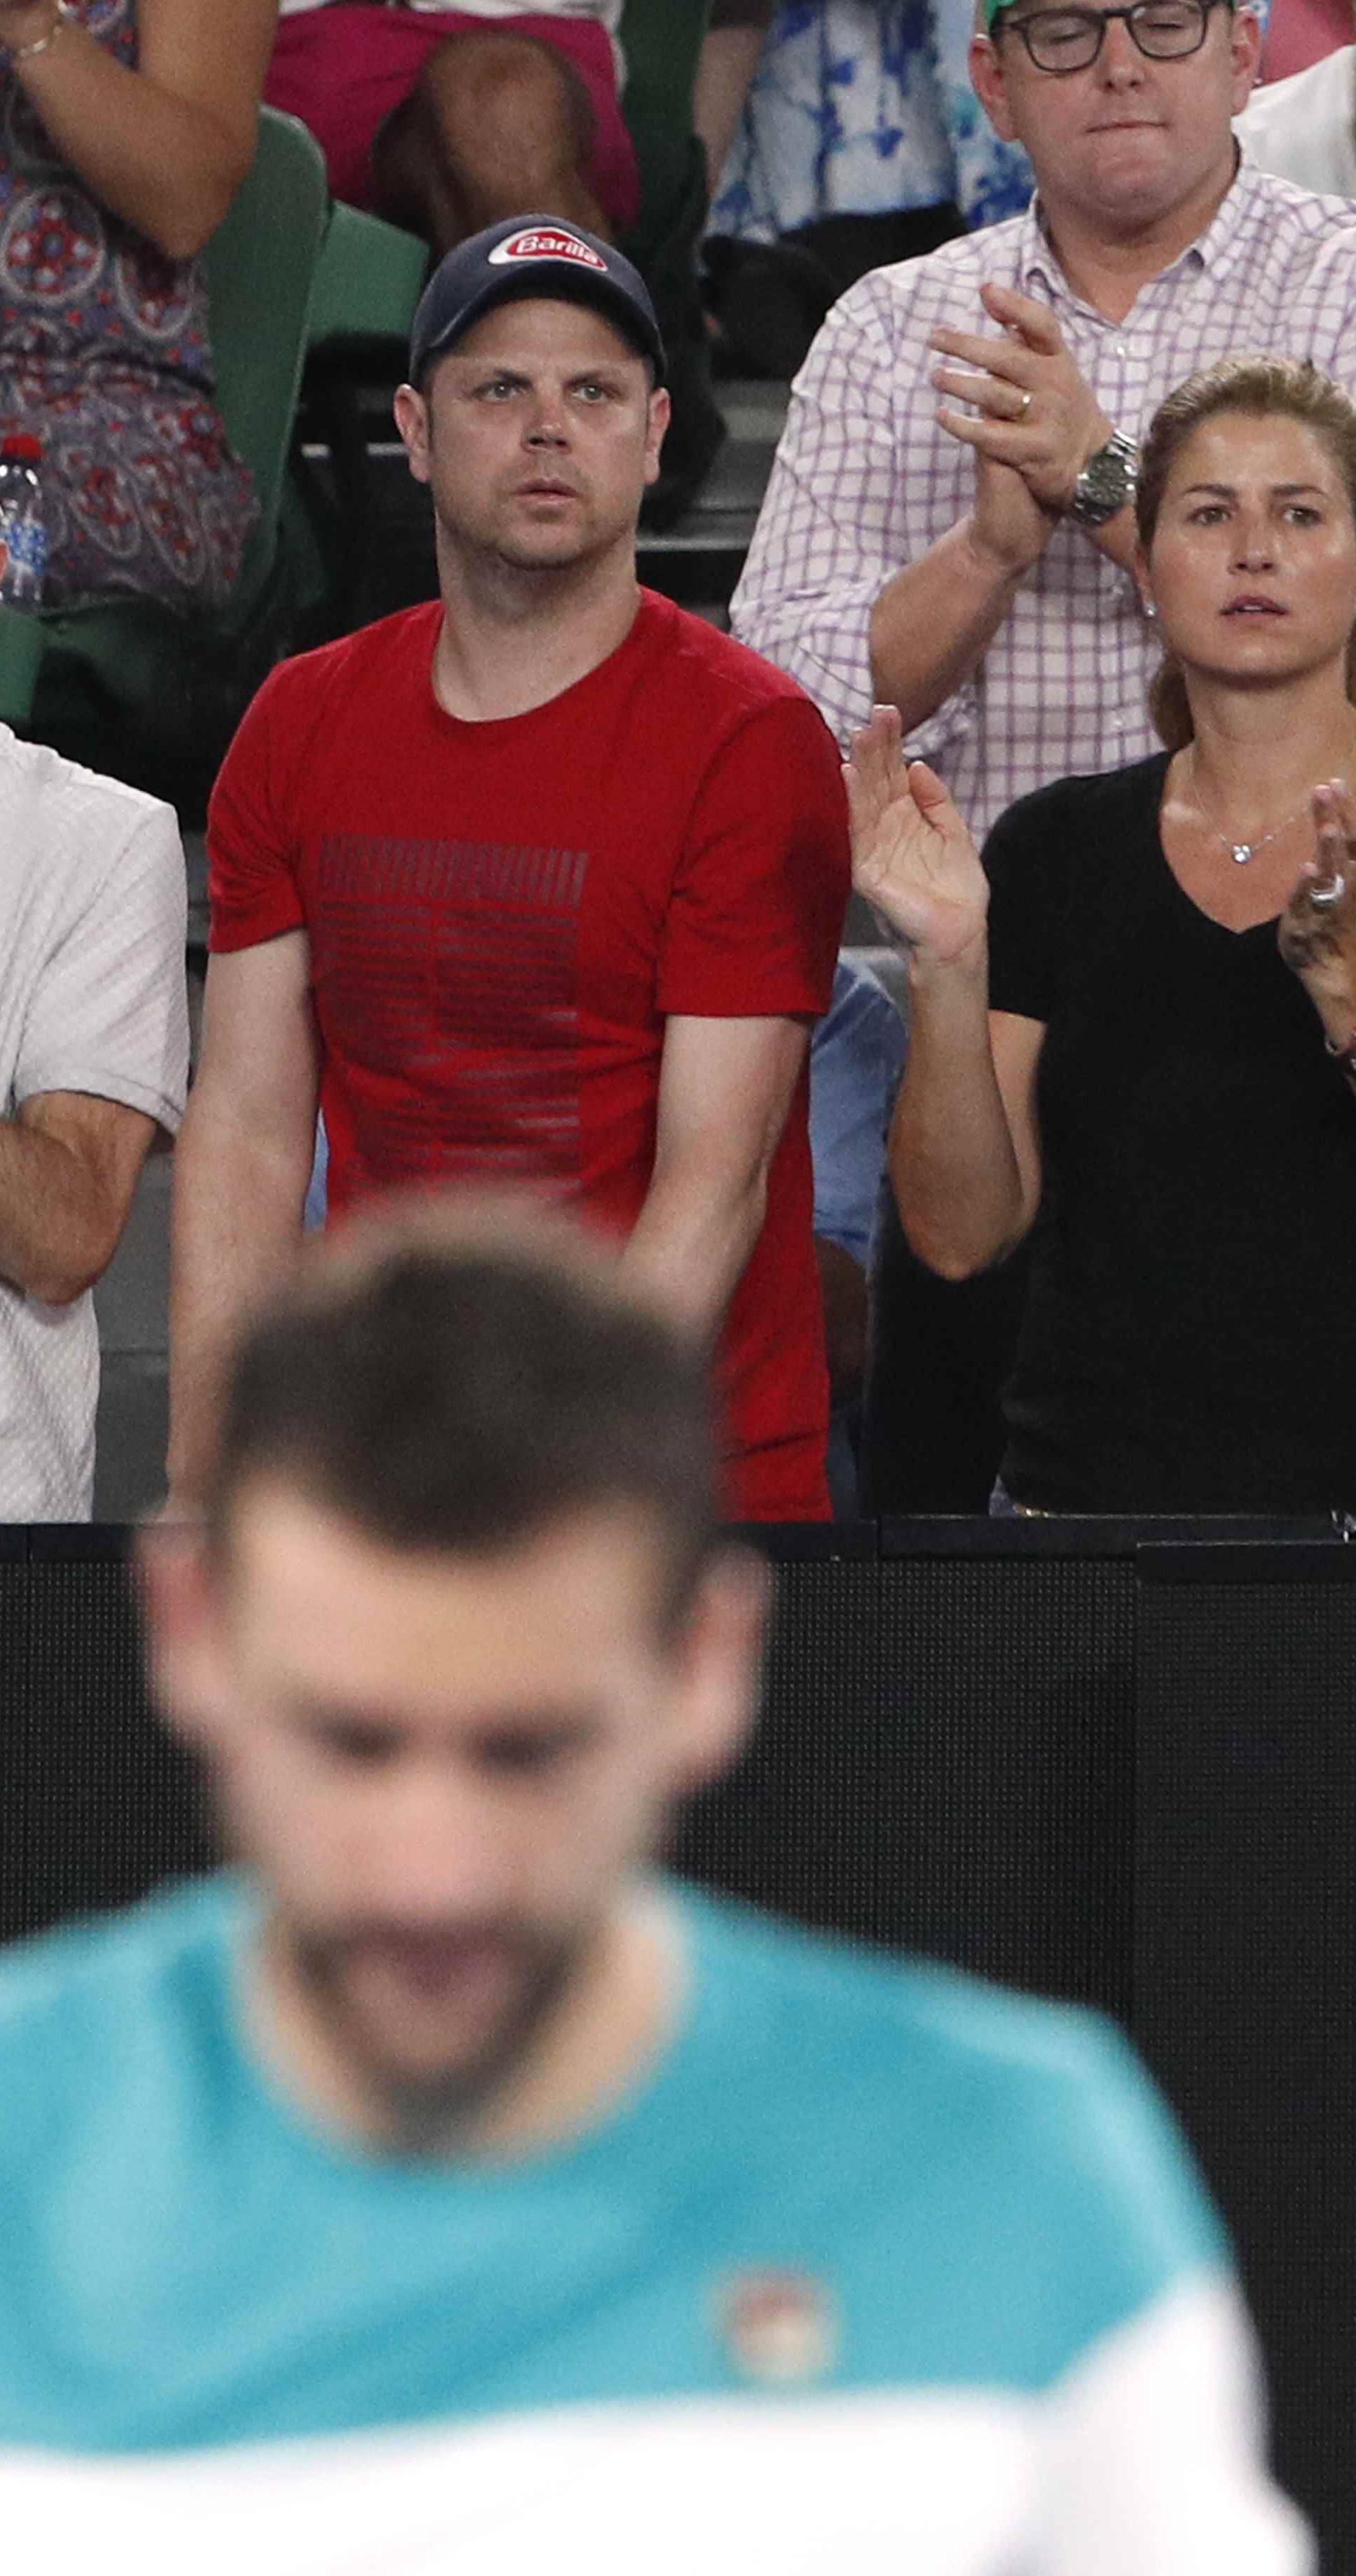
point(489, 558)
point(423, 2112)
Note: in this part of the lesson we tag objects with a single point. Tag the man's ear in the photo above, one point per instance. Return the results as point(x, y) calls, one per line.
point(1245, 52)
point(180, 1593)
point(720, 1660)
point(412, 421)
point(661, 409)
point(990, 87)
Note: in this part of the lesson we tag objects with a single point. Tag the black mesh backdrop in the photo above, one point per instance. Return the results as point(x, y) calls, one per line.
point(792, 1827)
point(1245, 1962)
point(944, 1762)
point(1014, 1688)
point(98, 1804)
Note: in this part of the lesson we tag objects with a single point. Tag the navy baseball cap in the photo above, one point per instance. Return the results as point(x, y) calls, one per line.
point(531, 255)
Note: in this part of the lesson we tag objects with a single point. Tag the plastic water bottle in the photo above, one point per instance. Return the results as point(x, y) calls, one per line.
point(23, 530)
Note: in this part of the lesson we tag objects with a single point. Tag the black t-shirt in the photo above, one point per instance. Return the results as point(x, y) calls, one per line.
point(1189, 1340)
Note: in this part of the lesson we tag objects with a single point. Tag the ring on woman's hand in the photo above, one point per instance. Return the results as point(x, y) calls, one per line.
point(1023, 406)
point(1323, 895)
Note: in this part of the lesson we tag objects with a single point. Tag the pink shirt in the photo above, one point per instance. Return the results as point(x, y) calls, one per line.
point(865, 481)
point(609, 11)
point(1300, 32)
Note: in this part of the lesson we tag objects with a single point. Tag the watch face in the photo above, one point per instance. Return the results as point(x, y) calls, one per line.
point(1104, 484)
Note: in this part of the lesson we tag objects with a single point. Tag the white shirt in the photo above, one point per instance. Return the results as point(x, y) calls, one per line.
point(1134, 2468)
point(92, 999)
point(1304, 128)
point(865, 481)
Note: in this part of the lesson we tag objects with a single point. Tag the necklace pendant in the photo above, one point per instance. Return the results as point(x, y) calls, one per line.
point(1240, 852)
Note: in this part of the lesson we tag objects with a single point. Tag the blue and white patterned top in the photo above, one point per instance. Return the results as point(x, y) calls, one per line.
point(865, 107)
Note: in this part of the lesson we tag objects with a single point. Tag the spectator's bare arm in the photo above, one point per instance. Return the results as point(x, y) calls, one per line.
point(725, 1087)
point(165, 145)
point(964, 1152)
point(68, 1168)
point(729, 59)
point(241, 1169)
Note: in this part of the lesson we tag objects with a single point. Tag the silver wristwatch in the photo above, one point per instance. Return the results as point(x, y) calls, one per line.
point(1106, 483)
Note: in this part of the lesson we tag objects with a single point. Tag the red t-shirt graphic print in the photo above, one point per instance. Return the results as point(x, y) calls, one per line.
point(458, 961)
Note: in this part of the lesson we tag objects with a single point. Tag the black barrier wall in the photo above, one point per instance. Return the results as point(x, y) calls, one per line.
point(1105, 1762)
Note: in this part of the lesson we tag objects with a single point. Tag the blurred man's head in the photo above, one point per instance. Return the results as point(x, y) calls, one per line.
point(1126, 121)
point(457, 1634)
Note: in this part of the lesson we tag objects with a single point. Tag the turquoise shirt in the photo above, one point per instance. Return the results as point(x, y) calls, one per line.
point(976, 2189)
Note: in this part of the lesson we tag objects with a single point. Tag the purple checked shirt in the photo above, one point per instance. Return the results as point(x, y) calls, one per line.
point(865, 481)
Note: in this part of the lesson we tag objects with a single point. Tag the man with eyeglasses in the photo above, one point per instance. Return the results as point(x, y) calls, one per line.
point(949, 525)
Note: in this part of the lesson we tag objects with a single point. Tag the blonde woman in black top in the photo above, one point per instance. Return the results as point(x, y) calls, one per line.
point(1134, 1022)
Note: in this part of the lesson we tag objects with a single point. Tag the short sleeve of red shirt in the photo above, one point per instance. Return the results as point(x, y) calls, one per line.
point(251, 874)
point(756, 910)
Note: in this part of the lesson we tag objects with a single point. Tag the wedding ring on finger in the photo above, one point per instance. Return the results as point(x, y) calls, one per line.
point(1023, 406)
point(1332, 892)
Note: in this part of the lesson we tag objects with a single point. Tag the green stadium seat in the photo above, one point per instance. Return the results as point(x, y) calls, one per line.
point(367, 281)
point(662, 42)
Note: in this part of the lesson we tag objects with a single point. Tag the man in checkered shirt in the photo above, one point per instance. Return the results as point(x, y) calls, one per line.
point(949, 521)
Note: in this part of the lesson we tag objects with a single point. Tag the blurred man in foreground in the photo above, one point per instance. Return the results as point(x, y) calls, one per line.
point(446, 2186)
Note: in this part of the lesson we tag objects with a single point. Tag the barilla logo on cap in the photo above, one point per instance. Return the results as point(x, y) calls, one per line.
point(546, 245)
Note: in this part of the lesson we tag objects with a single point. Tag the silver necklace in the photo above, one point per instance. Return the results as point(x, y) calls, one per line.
point(1241, 851)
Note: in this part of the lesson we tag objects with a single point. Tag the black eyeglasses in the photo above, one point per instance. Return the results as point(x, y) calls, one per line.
point(1067, 40)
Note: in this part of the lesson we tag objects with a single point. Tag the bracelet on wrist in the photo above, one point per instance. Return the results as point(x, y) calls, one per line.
point(62, 15)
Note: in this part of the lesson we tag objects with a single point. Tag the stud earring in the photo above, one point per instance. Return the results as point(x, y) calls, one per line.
point(1149, 608)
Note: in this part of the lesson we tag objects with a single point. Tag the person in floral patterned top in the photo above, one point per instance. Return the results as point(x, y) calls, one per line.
point(126, 127)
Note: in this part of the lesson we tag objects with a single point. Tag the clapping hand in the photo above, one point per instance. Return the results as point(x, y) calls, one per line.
point(1036, 413)
point(1317, 930)
point(912, 856)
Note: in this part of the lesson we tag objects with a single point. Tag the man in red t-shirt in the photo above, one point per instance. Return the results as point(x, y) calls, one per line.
point(540, 883)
